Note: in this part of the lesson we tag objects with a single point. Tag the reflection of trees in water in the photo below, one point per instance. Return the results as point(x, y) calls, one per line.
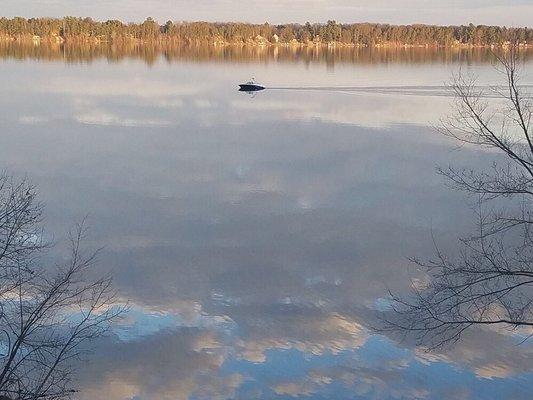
point(490, 282)
point(171, 52)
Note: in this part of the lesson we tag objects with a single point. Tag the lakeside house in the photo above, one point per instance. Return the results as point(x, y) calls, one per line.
point(260, 40)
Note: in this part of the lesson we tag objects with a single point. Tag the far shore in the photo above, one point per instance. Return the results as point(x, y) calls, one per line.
point(37, 40)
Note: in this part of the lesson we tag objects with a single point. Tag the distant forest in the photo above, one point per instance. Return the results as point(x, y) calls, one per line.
point(75, 29)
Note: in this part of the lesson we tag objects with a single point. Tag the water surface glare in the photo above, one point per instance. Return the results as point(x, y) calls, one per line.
point(255, 236)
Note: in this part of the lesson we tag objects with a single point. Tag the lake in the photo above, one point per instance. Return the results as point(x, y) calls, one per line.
point(255, 236)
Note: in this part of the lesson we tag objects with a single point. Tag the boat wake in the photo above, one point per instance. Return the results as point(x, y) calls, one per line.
point(433, 91)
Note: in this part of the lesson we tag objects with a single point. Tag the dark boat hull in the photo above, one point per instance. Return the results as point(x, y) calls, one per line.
point(250, 88)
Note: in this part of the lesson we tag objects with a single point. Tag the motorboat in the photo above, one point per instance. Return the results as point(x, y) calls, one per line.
point(251, 86)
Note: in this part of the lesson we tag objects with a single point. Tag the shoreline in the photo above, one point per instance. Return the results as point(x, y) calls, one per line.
point(330, 34)
point(172, 41)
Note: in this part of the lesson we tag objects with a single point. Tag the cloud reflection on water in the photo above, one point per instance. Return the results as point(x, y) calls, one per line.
point(254, 237)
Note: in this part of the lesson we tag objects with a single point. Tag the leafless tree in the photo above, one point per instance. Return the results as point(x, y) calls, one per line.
point(46, 314)
point(490, 281)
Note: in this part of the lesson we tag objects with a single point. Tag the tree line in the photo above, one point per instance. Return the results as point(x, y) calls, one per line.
point(363, 34)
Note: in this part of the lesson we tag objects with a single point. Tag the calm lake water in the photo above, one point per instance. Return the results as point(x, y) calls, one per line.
point(255, 236)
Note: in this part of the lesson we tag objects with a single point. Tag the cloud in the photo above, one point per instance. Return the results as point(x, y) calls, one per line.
point(376, 383)
point(372, 110)
point(489, 354)
point(33, 119)
point(166, 365)
point(311, 331)
point(104, 118)
point(304, 387)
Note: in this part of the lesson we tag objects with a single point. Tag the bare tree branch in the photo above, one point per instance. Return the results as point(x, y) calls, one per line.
point(490, 282)
point(46, 316)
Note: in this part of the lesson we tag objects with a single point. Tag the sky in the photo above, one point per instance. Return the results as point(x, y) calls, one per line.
point(493, 12)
